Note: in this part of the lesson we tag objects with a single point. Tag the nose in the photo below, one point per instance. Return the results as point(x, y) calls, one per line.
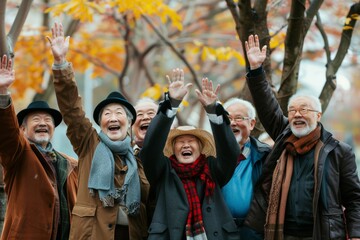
point(113, 117)
point(42, 122)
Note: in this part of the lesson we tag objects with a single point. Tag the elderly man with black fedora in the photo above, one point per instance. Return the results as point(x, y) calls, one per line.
point(40, 182)
point(188, 168)
point(113, 189)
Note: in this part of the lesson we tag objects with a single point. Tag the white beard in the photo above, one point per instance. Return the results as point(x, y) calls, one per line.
point(302, 132)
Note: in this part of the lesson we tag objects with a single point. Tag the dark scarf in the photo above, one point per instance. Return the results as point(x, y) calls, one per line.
point(275, 217)
point(189, 173)
point(59, 166)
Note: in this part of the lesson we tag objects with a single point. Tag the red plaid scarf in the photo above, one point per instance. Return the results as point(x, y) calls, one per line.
point(188, 173)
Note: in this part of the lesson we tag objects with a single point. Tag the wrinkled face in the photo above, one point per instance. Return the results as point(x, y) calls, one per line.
point(302, 124)
point(114, 122)
point(39, 127)
point(145, 112)
point(240, 127)
point(187, 148)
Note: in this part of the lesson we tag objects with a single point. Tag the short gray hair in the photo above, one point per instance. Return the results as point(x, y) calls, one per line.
point(247, 104)
point(315, 100)
point(145, 100)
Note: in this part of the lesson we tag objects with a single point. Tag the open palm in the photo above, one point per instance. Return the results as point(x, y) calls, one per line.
point(7, 74)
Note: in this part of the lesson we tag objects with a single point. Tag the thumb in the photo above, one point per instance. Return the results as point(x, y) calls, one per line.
point(49, 39)
point(188, 86)
point(67, 40)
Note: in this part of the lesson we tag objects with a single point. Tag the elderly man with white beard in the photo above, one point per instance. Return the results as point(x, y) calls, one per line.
point(310, 187)
point(238, 192)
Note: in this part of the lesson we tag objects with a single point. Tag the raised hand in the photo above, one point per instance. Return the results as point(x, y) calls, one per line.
point(177, 87)
point(207, 96)
point(255, 56)
point(7, 74)
point(59, 44)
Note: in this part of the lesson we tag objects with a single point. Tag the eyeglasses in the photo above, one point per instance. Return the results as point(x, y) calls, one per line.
point(238, 118)
point(302, 111)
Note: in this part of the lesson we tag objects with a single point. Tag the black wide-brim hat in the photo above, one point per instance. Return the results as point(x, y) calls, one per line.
point(114, 97)
point(41, 106)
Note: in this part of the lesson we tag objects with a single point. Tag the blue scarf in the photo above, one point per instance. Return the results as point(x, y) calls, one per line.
point(103, 170)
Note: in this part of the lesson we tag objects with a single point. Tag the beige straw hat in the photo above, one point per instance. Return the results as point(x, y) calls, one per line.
point(206, 139)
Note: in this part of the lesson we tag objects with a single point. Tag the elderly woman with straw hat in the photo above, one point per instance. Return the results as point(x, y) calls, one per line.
point(188, 167)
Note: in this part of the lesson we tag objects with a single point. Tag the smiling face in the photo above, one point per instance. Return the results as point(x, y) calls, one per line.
point(302, 124)
point(240, 128)
point(114, 121)
point(187, 148)
point(38, 127)
point(145, 112)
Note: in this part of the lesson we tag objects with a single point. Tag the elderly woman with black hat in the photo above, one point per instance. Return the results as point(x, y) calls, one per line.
point(40, 182)
point(112, 185)
point(188, 168)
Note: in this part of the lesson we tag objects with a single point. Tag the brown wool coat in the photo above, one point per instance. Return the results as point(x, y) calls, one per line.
point(29, 183)
point(90, 219)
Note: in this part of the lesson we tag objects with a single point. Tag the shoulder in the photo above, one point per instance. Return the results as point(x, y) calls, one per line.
point(261, 146)
point(72, 161)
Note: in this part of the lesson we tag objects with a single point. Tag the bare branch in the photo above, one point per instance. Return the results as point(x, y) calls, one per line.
point(333, 66)
point(319, 25)
point(19, 21)
point(3, 39)
point(177, 53)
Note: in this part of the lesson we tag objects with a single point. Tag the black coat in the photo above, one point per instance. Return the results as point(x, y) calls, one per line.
point(172, 208)
point(338, 182)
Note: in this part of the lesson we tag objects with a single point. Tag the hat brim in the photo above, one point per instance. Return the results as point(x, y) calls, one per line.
point(113, 100)
point(56, 115)
point(206, 139)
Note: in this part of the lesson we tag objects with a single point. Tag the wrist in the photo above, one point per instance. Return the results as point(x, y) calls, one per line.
point(59, 61)
point(253, 67)
point(4, 91)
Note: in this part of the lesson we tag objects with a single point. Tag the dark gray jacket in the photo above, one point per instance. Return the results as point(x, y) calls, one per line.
point(172, 208)
point(336, 172)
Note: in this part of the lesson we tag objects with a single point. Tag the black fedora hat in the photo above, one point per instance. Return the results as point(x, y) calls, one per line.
point(114, 97)
point(40, 106)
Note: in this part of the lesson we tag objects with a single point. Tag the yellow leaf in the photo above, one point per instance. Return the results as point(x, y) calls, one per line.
point(153, 92)
point(347, 28)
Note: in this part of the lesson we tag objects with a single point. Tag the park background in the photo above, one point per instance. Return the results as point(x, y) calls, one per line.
point(130, 45)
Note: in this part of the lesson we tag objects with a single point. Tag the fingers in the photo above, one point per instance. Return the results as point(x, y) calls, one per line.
point(5, 63)
point(177, 75)
point(57, 30)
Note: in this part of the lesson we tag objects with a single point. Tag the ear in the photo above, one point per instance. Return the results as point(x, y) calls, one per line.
point(22, 128)
point(252, 124)
point(319, 115)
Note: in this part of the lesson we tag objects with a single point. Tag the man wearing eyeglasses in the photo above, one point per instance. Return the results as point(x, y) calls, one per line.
point(310, 187)
point(238, 192)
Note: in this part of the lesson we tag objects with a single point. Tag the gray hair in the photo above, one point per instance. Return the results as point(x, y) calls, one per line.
point(314, 100)
point(145, 100)
point(247, 104)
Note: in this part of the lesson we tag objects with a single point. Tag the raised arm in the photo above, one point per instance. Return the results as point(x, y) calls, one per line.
point(12, 141)
point(151, 154)
point(227, 148)
point(79, 127)
point(270, 114)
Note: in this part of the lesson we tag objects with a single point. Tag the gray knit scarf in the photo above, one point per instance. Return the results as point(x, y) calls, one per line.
point(102, 174)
